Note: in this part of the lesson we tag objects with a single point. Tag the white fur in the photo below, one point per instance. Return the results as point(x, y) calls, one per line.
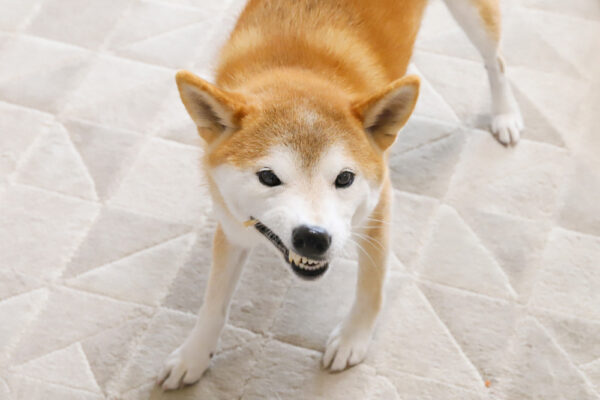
point(348, 343)
point(506, 121)
point(310, 197)
point(304, 198)
point(187, 363)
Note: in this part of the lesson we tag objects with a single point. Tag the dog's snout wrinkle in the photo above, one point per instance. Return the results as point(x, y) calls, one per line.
point(311, 241)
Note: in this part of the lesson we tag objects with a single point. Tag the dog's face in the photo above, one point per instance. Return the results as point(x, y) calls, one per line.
point(304, 166)
point(308, 213)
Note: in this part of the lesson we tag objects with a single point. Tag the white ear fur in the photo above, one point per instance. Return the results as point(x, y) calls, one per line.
point(204, 110)
point(384, 113)
point(214, 111)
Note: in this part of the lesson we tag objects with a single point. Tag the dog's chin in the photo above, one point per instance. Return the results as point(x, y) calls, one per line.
point(303, 267)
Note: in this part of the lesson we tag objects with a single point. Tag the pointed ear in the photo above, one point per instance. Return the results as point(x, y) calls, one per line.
point(214, 111)
point(385, 112)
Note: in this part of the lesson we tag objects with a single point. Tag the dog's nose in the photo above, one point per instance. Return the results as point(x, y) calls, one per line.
point(311, 241)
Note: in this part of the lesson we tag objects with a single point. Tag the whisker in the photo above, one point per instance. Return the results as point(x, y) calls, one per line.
point(369, 239)
point(378, 220)
point(373, 265)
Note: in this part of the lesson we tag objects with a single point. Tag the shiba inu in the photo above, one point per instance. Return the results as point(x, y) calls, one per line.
point(309, 97)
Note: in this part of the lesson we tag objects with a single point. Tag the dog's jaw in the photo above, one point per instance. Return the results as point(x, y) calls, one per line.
point(303, 267)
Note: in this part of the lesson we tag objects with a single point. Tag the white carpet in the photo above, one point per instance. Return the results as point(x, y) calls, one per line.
point(105, 223)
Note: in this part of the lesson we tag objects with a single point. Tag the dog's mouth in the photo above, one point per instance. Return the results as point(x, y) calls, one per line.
point(304, 267)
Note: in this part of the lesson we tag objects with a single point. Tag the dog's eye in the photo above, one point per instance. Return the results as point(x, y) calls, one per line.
point(268, 178)
point(344, 179)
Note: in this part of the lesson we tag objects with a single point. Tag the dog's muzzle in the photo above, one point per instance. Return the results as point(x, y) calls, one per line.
point(304, 267)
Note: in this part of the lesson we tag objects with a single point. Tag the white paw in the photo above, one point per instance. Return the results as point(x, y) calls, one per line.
point(507, 127)
point(346, 347)
point(184, 366)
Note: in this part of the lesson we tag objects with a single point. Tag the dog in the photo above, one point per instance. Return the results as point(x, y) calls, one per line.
point(309, 97)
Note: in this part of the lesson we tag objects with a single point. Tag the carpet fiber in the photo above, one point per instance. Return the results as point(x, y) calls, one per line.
point(105, 222)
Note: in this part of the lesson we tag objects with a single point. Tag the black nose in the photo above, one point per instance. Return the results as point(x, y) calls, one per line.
point(311, 241)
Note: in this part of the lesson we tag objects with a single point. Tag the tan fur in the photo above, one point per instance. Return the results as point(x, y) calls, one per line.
point(489, 11)
point(306, 74)
point(321, 57)
point(373, 256)
point(398, 95)
point(233, 104)
point(339, 38)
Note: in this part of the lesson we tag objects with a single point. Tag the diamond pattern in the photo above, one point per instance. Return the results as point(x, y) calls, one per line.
point(106, 224)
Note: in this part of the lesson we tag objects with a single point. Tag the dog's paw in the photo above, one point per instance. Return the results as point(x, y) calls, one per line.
point(507, 127)
point(346, 346)
point(184, 366)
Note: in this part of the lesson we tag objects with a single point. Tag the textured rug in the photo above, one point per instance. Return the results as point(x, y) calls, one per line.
point(105, 223)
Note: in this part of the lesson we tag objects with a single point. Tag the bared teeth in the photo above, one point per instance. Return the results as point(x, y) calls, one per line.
point(293, 257)
point(303, 262)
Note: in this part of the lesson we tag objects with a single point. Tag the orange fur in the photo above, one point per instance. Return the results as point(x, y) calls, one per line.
point(232, 103)
point(308, 74)
point(373, 258)
point(305, 74)
point(400, 93)
point(338, 38)
point(288, 60)
point(489, 11)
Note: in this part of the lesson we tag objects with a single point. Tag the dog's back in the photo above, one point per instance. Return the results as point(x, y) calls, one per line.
point(361, 44)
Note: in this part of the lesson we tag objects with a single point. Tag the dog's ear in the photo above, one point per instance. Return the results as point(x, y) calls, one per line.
point(214, 111)
point(385, 112)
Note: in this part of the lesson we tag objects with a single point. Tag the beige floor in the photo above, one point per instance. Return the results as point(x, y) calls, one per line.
point(105, 223)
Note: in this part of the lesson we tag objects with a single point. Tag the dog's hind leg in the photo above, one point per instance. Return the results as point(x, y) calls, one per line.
point(480, 19)
point(349, 341)
point(188, 362)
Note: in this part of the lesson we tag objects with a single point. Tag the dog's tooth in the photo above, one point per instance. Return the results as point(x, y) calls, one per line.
point(290, 257)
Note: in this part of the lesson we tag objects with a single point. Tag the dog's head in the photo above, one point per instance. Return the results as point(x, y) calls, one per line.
point(298, 158)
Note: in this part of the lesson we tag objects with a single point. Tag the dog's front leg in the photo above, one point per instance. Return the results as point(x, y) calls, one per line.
point(188, 362)
point(349, 341)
